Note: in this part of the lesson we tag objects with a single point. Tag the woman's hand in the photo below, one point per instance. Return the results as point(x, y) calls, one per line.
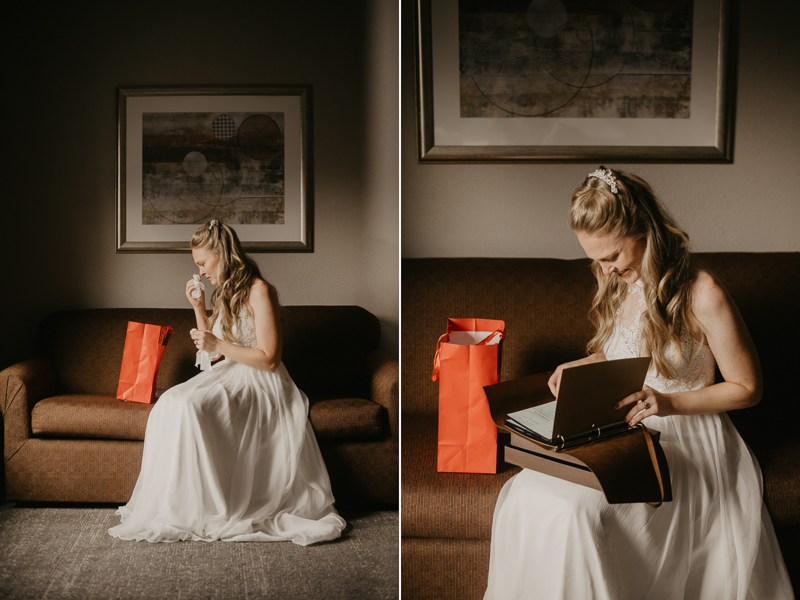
point(555, 379)
point(205, 340)
point(645, 404)
point(195, 302)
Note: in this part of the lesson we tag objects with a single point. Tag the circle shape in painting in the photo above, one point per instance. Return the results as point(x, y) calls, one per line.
point(195, 164)
point(547, 18)
point(223, 127)
point(259, 137)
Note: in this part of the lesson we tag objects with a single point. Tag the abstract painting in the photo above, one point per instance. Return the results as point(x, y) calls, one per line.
point(203, 166)
point(574, 80)
point(579, 59)
point(241, 155)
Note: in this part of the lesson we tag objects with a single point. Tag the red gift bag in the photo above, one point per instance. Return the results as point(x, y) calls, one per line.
point(144, 347)
point(467, 358)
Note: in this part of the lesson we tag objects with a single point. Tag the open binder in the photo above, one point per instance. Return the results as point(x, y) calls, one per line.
point(584, 410)
point(589, 442)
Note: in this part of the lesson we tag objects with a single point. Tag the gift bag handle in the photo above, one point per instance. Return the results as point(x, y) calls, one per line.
point(436, 363)
point(489, 337)
point(483, 342)
point(653, 457)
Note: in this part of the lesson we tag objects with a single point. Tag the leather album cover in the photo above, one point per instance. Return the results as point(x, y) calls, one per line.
point(626, 466)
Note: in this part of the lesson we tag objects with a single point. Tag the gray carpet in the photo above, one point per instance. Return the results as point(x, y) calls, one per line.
point(66, 553)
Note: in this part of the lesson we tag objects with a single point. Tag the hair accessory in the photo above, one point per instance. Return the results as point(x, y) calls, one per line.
point(211, 225)
point(607, 176)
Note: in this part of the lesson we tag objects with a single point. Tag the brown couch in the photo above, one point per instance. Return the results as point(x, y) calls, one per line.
point(447, 517)
point(67, 439)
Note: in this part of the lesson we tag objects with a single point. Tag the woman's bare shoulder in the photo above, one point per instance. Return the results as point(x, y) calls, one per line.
point(710, 299)
point(262, 293)
point(259, 286)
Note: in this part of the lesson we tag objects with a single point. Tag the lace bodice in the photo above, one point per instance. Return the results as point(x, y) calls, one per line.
point(696, 369)
point(244, 331)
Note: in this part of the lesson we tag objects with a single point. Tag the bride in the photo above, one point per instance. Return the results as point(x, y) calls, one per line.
point(554, 539)
point(230, 454)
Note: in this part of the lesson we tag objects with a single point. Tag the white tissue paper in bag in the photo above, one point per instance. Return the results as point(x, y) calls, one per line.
point(203, 358)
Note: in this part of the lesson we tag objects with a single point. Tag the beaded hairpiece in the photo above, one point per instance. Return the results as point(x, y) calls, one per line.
point(607, 176)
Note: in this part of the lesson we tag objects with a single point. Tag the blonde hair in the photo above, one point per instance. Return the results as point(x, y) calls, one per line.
point(236, 274)
point(667, 268)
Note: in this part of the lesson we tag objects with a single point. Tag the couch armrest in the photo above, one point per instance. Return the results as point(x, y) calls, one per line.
point(21, 386)
point(383, 374)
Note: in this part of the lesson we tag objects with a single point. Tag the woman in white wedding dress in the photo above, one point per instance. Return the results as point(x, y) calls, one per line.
point(230, 454)
point(553, 539)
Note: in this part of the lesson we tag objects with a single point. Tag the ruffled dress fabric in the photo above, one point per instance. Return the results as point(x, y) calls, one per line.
point(230, 455)
point(553, 539)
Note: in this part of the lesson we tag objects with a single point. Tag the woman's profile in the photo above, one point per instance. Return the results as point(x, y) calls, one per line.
point(230, 454)
point(556, 539)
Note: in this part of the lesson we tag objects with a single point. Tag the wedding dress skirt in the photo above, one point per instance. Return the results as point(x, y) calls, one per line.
point(553, 539)
point(230, 455)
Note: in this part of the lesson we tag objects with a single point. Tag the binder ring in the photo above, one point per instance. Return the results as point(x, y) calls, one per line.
point(598, 430)
point(561, 445)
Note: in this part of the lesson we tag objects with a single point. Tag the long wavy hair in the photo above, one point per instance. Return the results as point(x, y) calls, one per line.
point(667, 267)
point(236, 274)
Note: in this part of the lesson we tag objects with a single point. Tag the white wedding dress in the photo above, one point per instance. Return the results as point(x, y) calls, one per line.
point(230, 455)
point(553, 539)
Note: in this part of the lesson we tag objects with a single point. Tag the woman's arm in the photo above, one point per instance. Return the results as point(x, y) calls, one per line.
point(555, 379)
point(264, 304)
point(727, 336)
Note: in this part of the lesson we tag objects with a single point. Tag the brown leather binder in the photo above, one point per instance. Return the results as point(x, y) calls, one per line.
point(628, 465)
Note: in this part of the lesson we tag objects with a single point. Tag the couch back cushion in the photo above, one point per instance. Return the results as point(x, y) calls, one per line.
point(324, 347)
point(545, 303)
point(766, 287)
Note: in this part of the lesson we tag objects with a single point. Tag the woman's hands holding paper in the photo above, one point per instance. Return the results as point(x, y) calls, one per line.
point(205, 340)
point(644, 404)
point(200, 300)
point(555, 379)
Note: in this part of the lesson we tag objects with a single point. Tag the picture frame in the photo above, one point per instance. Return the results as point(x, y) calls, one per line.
point(459, 121)
point(239, 154)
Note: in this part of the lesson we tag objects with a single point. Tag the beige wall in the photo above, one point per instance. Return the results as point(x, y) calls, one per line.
point(58, 211)
point(520, 210)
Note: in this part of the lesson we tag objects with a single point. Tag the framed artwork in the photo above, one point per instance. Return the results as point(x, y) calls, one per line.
point(187, 155)
point(559, 81)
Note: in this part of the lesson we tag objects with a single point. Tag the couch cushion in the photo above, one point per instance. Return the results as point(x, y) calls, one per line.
point(444, 505)
point(346, 419)
point(105, 417)
point(779, 459)
point(90, 416)
point(445, 568)
point(325, 347)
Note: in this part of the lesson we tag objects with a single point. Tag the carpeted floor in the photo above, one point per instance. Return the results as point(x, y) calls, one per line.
point(66, 553)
